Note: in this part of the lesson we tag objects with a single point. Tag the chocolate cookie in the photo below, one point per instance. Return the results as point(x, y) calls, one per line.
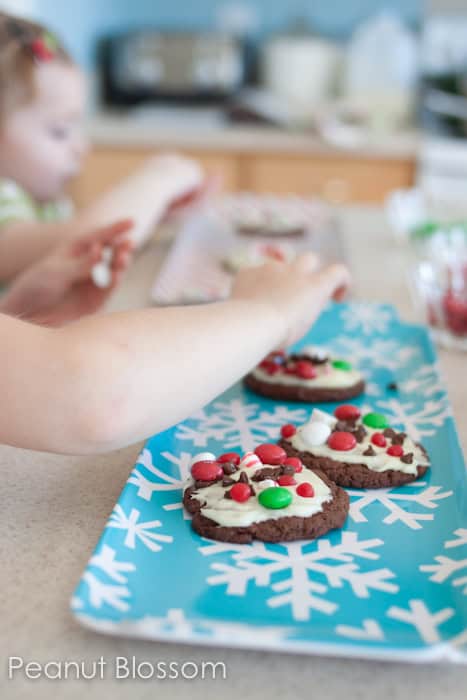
point(310, 375)
point(355, 451)
point(268, 497)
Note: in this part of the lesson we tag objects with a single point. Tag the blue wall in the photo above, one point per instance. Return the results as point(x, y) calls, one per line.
point(81, 22)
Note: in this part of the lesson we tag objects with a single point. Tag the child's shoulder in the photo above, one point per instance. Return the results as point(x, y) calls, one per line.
point(15, 203)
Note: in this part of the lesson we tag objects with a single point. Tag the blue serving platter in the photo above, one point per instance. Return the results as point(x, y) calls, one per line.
point(392, 584)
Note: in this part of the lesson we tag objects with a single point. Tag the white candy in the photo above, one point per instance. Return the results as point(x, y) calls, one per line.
point(315, 433)
point(265, 484)
point(250, 459)
point(318, 416)
point(101, 275)
point(315, 351)
point(203, 457)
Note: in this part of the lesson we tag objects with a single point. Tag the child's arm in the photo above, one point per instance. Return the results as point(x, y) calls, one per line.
point(143, 197)
point(146, 195)
point(22, 243)
point(108, 381)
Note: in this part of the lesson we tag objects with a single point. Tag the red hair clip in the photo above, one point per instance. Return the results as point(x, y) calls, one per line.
point(44, 48)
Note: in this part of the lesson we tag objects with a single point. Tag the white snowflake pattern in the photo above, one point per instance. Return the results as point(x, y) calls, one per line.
point(425, 381)
point(381, 352)
point(447, 567)
point(136, 530)
point(165, 482)
point(418, 422)
point(419, 616)
point(101, 593)
point(237, 424)
point(366, 318)
point(259, 563)
point(370, 630)
point(106, 561)
point(373, 389)
point(397, 503)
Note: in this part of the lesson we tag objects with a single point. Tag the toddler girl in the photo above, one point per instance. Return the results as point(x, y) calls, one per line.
point(42, 97)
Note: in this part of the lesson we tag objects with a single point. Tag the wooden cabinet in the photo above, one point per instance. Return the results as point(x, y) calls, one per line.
point(339, 177)
point(104, 167)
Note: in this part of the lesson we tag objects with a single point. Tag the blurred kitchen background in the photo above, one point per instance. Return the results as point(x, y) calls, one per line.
point(345, 100)
point(353, 103)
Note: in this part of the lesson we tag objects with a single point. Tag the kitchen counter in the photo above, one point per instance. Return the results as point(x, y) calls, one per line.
point(206, 129)
point(54, 509)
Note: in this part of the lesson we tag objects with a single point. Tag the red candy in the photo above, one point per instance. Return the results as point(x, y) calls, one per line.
point(270, 367)
point(240, 492)
point(305, 370)
point(395, 451)
point(305, 490)
point(347, 412)
point(288, 430)
point(271, 454)
point(378, 439)
point(41, 50)
point(230, 457)
point(206, 471)
point(342, 441)
point(294, 462)
point(286, 480)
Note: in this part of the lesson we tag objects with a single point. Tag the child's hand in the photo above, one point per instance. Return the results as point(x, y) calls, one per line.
point(183, 205)
point(59, 288)
point(297, 292)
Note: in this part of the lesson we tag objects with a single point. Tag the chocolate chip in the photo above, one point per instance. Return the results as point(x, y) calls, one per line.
point(267, 473)
point(296, 357)
point(341, 425)
point(369, 452)
point(203, 484)
point(227, 495)
point(408, 458)
point(287, 469)
point(398, 438)
point(227, 481)
point(389, 432)
point(392, 386)
point(244, 478)
point(253, 492)
point(229, 468)
point(359, 433)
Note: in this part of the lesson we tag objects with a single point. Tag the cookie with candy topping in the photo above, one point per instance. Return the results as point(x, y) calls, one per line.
point(354, 450)
point(310, 375)
point(264, 495)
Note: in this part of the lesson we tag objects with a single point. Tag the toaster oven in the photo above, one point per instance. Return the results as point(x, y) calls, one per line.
point(181, 66)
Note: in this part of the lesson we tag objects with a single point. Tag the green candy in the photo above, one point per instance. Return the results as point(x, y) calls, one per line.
point(275, 497)
point(375, 420)
point(342, 364)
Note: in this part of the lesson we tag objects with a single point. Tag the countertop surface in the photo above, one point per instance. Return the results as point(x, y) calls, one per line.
point(207, 130)
point(54, 509)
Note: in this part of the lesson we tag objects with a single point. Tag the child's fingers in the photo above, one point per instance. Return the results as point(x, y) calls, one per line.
point(331, 280)
point(308, 262)
point(122, 254)
point(103, 236)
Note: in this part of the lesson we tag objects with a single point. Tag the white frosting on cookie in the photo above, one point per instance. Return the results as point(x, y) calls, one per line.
point(380, 462)
point(328, 377)
point(230, 513)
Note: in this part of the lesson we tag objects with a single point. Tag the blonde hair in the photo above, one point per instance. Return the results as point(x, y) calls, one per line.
point(18, 58)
